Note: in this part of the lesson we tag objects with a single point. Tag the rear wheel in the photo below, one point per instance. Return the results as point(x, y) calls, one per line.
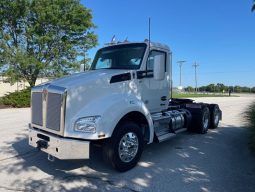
point(200, 119)
point(205, 120)
point(215, 116)
point(125, 147)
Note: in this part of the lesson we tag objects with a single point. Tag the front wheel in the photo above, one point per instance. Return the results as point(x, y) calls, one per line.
point(125, 147)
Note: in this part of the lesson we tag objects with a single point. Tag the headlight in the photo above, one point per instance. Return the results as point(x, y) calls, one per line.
point(86, 124)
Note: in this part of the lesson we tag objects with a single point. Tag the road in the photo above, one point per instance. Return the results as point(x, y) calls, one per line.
point(218, 161)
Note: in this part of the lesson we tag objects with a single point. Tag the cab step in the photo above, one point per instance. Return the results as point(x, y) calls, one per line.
point(165, 137)
point(165, 134)
point(180, 130)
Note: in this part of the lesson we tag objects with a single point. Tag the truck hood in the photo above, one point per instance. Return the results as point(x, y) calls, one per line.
point(89, 90)
point(87, 77)
point(86, 93)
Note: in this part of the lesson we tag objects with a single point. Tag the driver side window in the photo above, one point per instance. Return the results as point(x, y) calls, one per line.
point(150, 61)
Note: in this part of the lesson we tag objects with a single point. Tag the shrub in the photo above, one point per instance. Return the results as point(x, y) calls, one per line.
point(17, 99)
point(250, 116)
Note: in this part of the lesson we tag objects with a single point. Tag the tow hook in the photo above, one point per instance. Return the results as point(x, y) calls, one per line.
point(42, 144)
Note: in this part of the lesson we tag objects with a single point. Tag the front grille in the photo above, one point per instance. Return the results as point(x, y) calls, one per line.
point(48, 105)
point(37, 114)
point(53, 111)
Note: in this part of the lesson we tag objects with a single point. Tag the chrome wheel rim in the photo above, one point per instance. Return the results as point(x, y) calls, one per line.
point(128, 147)
point(206, 120)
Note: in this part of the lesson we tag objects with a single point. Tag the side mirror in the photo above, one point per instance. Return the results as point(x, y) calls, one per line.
point(159, 67)
point(82, 67)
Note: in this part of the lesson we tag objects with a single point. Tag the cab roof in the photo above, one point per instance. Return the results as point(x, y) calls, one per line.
point(152, 44)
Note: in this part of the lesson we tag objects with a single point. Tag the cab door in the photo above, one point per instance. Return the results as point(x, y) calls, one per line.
point(155, 93)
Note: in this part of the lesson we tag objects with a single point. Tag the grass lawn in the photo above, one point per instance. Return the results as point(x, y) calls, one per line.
point(190, 95)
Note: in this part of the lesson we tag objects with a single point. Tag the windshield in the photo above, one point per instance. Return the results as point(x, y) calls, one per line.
point(127, 56)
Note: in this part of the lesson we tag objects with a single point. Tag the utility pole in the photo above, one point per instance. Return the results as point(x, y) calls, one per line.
point(180, 63)
point(195, 65)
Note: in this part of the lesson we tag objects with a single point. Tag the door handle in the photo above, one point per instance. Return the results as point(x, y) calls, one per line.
point(163, 98)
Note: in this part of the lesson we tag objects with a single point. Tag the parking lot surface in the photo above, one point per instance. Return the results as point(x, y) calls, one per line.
point(218, 161)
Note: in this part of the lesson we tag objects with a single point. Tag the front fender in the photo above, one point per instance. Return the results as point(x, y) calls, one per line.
point(111, 108)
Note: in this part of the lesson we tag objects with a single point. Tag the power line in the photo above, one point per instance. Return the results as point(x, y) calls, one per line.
point(195, 65)
point(180, 63)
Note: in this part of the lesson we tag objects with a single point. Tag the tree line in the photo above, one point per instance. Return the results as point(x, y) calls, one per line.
point(221, 88)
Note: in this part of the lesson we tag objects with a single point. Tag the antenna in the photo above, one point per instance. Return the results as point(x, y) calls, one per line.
point(149, 33)
point(149, 42)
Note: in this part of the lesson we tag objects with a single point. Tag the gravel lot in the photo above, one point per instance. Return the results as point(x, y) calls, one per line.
point(218, 161)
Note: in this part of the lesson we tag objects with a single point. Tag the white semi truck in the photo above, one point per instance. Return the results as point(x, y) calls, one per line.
point(122, 103)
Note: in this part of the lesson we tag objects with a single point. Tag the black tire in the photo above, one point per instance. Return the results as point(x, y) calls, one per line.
point(200, 120)
point(111, 149)
point(187, 119)
point(214, 116)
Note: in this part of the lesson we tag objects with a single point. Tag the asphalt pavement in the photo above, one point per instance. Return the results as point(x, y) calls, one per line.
point(216, 162)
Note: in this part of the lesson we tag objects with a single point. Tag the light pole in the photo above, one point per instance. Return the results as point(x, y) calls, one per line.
point(195, 65)
point(180, 63)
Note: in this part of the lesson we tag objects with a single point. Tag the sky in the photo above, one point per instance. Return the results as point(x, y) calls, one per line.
point(218, 35)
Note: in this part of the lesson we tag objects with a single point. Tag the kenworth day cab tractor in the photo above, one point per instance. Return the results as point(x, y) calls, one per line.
point(122, 103)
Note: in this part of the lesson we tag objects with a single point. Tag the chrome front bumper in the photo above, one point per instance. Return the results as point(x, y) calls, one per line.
point(62, 148)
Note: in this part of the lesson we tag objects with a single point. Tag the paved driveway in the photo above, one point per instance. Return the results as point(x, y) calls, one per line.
point(218, 161)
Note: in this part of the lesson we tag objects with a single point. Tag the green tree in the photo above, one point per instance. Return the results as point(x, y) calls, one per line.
point(202, 88)
point(190, 89)
point(237, 89)
point(245, 89)
point(43, 37)
point(210, 88)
